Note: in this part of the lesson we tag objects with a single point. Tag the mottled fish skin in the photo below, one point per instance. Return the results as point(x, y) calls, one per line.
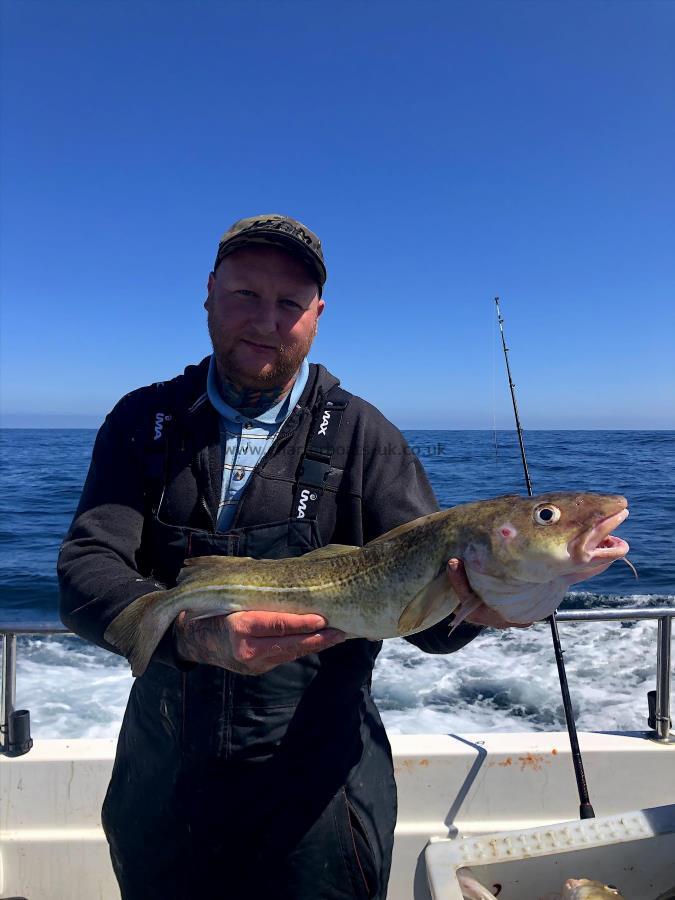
point(585, 889)
point(397, 584)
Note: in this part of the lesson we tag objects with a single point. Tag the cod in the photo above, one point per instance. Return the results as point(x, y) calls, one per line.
point(520, 555)
point(584, 889)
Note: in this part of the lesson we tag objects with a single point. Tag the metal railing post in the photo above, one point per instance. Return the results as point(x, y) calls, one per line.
point(662, 714)
point(8, 686)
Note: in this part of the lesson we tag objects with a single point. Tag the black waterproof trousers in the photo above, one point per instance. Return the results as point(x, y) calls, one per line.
point(237, 787)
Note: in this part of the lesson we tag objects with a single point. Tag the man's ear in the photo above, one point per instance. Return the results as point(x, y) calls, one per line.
point(209, 287)
point(320, 307)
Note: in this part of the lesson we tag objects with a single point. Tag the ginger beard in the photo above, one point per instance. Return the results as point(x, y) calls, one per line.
point(276, 374)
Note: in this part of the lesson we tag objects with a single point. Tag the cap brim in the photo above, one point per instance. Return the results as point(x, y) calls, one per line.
point(296, 247)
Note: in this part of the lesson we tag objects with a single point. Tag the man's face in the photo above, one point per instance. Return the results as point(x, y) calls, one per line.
point(263, 308)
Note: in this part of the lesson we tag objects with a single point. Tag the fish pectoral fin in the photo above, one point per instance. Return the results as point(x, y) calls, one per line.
point(193, 615)
point(464, 609)
point(329, 550)
point(436, 597)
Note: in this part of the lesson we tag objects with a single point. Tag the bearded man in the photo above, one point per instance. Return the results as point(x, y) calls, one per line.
point(252, 762)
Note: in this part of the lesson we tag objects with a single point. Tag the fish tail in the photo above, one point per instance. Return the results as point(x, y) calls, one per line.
point(136, 635)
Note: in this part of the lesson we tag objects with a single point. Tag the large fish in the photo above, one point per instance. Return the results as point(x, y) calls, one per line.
point(520, 555)
point(584, 889)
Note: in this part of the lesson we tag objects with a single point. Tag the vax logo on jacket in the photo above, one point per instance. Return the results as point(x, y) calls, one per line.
point(160, 419)
point(324, 423)
point(302, 505)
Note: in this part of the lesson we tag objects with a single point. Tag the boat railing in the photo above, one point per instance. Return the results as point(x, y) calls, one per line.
point(15, 739)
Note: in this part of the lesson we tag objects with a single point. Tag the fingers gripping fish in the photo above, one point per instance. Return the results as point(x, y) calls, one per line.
point(520, 555)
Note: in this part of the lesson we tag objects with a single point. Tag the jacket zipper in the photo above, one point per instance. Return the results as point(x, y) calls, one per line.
point(208, 512)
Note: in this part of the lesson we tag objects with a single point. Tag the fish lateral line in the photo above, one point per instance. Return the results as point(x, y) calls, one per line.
point(263, 588)
point(189, 585)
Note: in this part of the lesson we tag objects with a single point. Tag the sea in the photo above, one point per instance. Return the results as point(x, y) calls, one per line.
point(502, 681)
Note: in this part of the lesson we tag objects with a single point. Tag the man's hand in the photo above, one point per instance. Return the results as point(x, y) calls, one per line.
point(252, 643)
point(483, 615)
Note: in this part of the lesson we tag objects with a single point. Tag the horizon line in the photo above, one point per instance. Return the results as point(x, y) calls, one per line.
point(401, 427)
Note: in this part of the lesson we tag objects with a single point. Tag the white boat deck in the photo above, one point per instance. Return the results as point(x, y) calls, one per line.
point(52, 846)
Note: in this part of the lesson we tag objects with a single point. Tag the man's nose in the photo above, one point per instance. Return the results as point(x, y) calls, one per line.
point(264, 319)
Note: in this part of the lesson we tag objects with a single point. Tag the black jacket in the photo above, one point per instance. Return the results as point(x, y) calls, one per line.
point(288, 773)
point(106, 561)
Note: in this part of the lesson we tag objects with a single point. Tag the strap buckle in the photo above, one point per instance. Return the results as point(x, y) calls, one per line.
point(314, 472)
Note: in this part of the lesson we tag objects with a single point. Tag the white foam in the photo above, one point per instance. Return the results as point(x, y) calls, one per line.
point(508, 680)
point(72, 689)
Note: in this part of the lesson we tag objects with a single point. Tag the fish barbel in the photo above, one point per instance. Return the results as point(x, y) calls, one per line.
point(584, 889)
point(520, 555)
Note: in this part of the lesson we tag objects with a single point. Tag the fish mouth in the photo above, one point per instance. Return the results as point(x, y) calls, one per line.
point(598, 543)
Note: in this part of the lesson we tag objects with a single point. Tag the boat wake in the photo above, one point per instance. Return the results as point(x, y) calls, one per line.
point(502, 681)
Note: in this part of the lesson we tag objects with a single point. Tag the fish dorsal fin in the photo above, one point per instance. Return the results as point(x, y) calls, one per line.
point(201, 566)
point(215, 560)
point(407, 526)
point(330, 550)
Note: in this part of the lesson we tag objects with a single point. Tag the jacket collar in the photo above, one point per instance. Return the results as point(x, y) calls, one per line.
point(202, 425)
point(192, 395)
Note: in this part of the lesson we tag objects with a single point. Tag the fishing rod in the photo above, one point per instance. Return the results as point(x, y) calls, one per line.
point(585, 809)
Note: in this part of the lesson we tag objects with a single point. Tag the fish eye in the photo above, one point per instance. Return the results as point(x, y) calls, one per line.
point(546, 515)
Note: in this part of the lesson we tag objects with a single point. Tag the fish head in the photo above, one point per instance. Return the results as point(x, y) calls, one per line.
point(585, 889)
point(522, 553)
point(533, 539)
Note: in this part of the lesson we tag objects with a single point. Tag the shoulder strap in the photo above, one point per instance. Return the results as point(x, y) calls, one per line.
point(315, 465)
point(155, 439)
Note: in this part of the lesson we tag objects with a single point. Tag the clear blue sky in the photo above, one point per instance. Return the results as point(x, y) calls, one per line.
point(445, 152)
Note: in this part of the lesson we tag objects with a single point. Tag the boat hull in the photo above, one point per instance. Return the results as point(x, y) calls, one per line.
point(52, 845)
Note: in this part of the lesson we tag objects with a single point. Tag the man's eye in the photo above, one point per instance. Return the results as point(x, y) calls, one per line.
point(246, 293)
point(291, 304)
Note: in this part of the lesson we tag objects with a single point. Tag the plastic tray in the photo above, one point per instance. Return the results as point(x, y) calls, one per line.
point(634, 851)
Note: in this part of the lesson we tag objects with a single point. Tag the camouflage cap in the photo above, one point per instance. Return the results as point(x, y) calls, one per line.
point(280, 230)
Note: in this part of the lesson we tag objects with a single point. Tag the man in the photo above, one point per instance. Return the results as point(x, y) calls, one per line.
point(227, 785)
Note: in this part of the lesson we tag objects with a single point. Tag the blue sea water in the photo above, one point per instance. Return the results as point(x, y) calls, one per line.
point(42, 475)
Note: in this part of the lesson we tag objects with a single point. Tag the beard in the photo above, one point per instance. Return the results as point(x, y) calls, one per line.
point(276, 374)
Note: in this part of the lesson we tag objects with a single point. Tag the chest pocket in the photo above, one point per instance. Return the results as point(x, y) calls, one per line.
point(277, 540)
